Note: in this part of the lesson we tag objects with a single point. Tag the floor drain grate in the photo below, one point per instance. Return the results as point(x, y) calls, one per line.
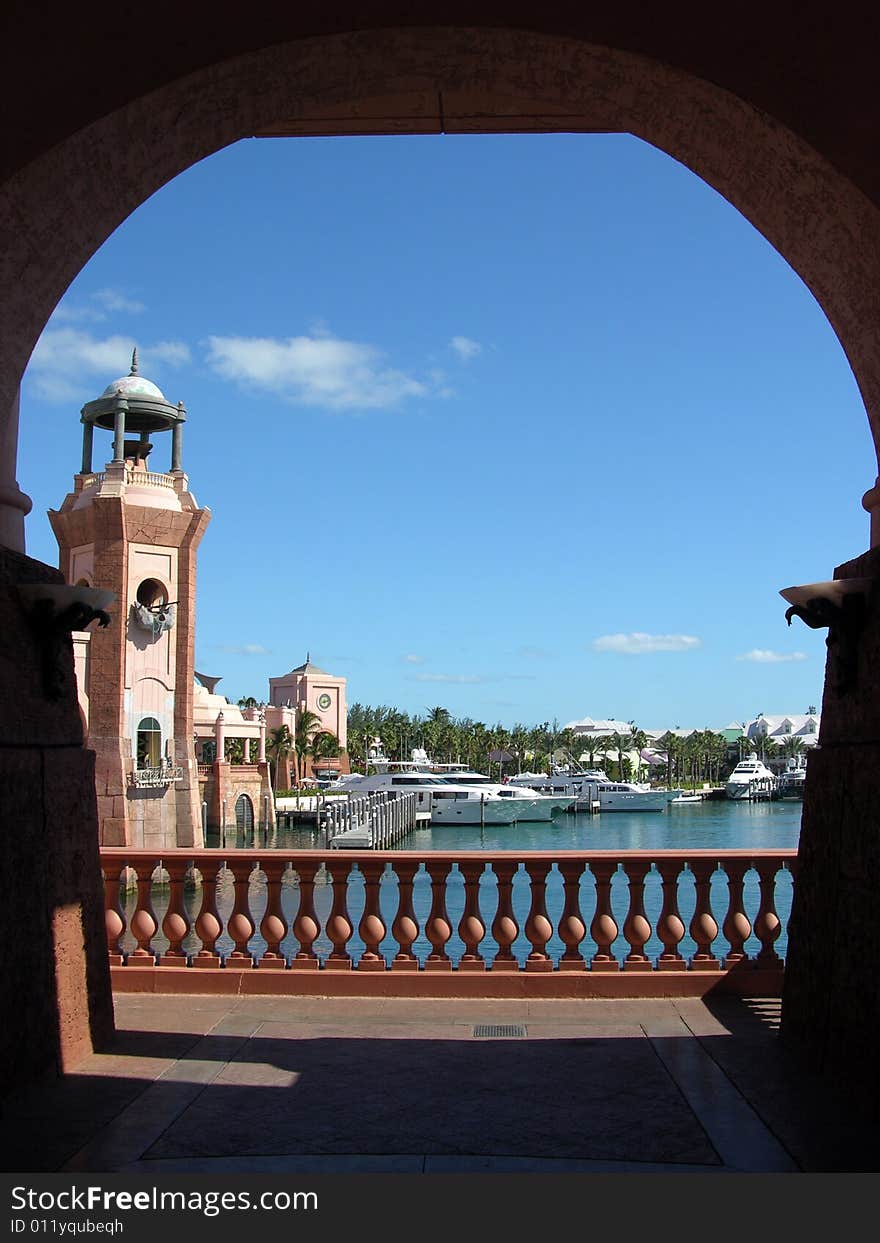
point(505, 1030)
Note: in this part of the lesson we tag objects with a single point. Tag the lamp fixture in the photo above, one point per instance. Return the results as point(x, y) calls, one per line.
point(842, 605)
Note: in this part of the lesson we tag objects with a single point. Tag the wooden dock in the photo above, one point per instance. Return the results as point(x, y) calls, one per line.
point(369, 821)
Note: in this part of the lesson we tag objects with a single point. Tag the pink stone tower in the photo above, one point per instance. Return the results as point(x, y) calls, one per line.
point(135, 531)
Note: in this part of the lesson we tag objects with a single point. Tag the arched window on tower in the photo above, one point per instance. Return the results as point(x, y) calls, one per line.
point(149, 743)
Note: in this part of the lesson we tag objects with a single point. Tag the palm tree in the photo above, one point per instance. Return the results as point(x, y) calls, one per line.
point(248, 702)
point(635, 742)
point(596, 744)
point(619, 743)
point(279, 745)
point(324, 745)
point(305, 725)
point(792, 747)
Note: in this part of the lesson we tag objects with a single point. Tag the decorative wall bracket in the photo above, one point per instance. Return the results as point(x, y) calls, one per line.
point(842, 606)
point(55, 610)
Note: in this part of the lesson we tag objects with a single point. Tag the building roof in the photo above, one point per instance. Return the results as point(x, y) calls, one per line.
point(308, 667)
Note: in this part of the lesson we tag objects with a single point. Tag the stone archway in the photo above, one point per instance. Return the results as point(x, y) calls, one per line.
point(58, 209)
point(435, 80)
point(244, 815)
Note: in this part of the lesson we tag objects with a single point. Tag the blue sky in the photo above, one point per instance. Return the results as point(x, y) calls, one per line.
point(530, 427)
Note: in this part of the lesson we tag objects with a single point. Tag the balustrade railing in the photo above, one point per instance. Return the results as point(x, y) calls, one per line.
point(599, 923)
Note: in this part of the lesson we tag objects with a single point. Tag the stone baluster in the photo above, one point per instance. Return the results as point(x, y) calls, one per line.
point(505, 929)
point(371, 928)
point(703, 927)
point(767, 923)
point(736, 927)
point(603, 928)
point(208, 925)
point(636, 926)
point(538, 928)
point(405, 927)
point(175, 924)
point(670, 927)
point(438, 929)
point(305, 925)
point(240, 926)
point(144, 924)
point(572, 928)
point(471, 928)
point(114, 912)
point(339, 926)
point(273, 925)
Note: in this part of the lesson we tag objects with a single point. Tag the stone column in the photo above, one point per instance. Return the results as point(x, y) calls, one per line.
point(176, 447)
point(831, 1003)
point(246, 750)
point(119, 431)
point(220, 736)
point(88, 438)
point(261, 754)
point(14, 505)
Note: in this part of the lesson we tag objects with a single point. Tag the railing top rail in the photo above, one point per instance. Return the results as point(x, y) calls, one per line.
point(124, 853)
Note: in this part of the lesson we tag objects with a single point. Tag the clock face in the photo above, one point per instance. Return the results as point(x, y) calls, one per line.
point(324, 701)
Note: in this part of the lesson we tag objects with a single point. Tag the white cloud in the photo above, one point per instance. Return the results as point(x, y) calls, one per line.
point(763, 656)
point(107, 299)
point(319, 370)
point(245, 649)
point(412, 659)
point(637, 644)
point(67, 362)
point(465, 348)
point(113, 300)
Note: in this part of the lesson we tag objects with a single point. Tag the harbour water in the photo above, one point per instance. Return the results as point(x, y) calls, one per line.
point(713, 824)
point(721, 825)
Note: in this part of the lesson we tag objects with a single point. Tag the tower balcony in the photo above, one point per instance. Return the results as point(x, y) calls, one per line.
point(155, 489)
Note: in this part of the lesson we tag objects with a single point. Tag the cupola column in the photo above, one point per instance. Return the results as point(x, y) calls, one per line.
point(88, 438)
point(177, 439)
point(119, 431)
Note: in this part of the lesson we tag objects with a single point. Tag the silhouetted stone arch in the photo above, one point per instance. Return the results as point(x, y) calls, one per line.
point(427, 80)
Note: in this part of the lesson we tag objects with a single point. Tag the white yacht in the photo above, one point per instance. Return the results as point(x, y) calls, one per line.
point(547, 803)
point(593, 785)
point(750, 777)
point(627, 796)
point(447, 802)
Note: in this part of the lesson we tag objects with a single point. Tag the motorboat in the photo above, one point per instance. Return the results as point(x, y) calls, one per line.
point(625, 796)
point(593, 785)
point(685, 798)
point(547, 803)
point(560, 784)
point(791, 782)
point(750, 778)
point(446, 801)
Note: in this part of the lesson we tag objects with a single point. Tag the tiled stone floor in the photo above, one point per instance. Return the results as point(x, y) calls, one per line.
point(273, 1084)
